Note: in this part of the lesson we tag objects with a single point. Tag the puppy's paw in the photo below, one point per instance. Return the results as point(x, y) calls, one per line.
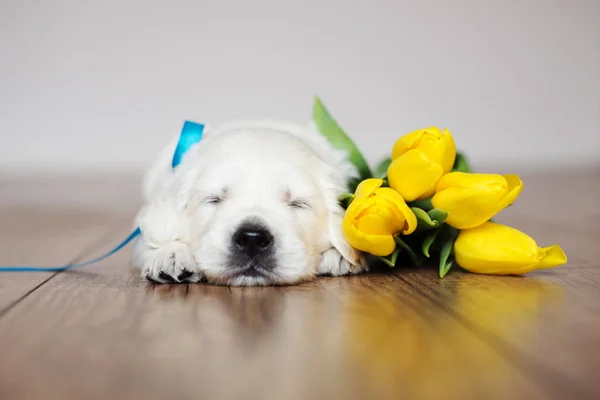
point(333, 263)
point(173, 263)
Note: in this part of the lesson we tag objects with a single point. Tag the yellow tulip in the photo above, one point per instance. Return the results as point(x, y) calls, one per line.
point(499, 249)
point(374, 216)
point(472, 199)
point(419, 160)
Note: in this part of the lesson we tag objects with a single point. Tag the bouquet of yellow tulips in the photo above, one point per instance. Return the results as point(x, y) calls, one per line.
point(424, 200)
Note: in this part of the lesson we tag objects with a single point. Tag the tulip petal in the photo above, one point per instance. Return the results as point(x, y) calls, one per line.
point(515, 186)
point(375, 224)
point(414, 176)
point(553, 256)
point(377, 245)
point(438, 147)
point(392, 206)
point(411, 222)
point(468, 208)
point(367, 187)
point(403, 210)
point(449, 151)
point(469, 180)
point(360, 208)
point(406, 143)
point(382, 216)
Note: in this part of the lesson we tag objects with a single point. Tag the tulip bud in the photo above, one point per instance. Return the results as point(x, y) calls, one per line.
point(501, 250)
point(373, 218)
point(419, 160)
point(472, 199)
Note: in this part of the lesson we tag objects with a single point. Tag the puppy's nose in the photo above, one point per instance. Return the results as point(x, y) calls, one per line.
point(252, 239)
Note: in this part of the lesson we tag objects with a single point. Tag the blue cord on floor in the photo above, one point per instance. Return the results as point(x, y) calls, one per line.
point(124, 243)
point(190, 135)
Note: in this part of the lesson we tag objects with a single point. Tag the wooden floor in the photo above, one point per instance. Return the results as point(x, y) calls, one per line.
point(102, 332)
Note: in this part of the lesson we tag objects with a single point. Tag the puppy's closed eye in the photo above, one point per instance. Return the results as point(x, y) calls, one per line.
point(212, 199)
point(296, 202)
point(301, 204)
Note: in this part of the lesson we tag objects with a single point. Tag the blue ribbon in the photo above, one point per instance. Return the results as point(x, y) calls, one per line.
point(191, 134)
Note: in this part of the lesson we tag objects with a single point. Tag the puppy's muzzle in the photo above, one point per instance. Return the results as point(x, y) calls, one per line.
point(252, 240)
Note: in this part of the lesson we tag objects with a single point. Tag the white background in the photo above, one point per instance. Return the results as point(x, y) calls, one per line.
point(100, 86)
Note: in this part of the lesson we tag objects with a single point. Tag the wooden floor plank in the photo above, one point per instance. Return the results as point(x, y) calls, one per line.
point(549, 321)
point(44, 237)
point(106, 333)
point(51, 222)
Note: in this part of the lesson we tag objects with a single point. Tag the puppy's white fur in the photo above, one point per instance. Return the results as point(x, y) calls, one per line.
point(239, 172)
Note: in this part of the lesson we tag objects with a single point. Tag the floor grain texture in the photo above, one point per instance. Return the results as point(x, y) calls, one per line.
point(102, 332)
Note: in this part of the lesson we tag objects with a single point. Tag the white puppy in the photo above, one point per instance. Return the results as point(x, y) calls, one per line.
point(252, 203)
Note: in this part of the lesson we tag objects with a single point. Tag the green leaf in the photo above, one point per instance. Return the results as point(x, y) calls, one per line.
point(429, 220)
point(428, 242)
point(445, 266)
point(345, 196)
point(461, 163)
point(438, 215)
point(391, 259)
point(422, 204)
point(382, 167)
point(329, 128)
point(447, 240)
point(424, 221)
point(414, 257)
point(345, 199)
